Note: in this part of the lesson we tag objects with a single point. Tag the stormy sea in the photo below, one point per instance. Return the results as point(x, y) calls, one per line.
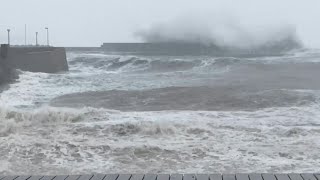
point(125, 113)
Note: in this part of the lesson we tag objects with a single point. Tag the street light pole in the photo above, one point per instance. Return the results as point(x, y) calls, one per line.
point(47, 35)
point(25, 34)
point(8, 36)
point(36, 38)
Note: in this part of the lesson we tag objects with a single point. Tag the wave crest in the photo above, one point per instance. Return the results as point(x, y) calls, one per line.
point(11, 119)
point(153, 64)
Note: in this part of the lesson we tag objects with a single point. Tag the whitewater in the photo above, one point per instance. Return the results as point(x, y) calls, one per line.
point(164, 114)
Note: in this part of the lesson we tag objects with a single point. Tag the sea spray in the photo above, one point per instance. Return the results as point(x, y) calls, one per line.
point(223, 32)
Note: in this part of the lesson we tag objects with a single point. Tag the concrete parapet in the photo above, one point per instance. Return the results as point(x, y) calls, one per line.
point(34, 59)
point(38, 59)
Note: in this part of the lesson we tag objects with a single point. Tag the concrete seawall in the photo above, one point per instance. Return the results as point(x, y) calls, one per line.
point(186, 48)
point(38, 59)
point(5, 70)
point(34, 59)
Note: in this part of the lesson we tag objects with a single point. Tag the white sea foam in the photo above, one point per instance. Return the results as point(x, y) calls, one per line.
point(36, 138)
point(97, 140)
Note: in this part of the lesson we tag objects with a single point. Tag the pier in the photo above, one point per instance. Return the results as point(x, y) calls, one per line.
point(264, 176)
point(45, 59)
point(37, 59)
point(209, 49)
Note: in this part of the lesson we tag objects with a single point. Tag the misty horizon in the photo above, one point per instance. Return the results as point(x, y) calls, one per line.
point(121, 21)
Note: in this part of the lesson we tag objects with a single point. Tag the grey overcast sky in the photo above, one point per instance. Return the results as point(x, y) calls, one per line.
point(92, 22)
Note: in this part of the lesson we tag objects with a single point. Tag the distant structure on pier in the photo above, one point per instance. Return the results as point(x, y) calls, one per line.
point(183, 48)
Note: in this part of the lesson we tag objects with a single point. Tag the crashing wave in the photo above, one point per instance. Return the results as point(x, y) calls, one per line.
point(218, 37)
point(12, 119)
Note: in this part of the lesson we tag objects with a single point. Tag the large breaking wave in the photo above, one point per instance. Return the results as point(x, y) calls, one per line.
point(159, 142)
point(224, 33)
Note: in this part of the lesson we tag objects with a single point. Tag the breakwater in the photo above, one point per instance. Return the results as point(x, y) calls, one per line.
point(34, 59)
point(277, 48)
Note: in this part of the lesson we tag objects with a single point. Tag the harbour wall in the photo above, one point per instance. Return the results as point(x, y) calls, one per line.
point(34, 59)
point(181, 49)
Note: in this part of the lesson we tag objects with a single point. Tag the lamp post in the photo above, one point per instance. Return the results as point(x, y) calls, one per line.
point(47, 35)
point(25, 34)
point(8, 36)
point(36, 38)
